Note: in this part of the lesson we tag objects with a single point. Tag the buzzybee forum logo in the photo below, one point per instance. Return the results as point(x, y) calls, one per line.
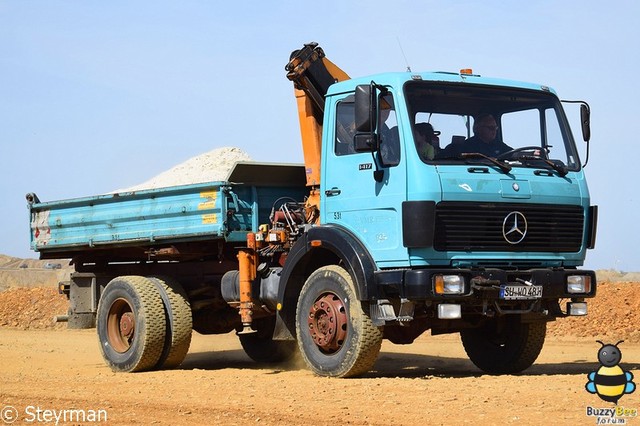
point(610, 381)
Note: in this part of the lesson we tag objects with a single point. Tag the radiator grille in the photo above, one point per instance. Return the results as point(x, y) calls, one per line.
point(462, 226)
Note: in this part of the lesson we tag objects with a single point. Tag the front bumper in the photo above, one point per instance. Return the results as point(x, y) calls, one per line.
point(479, 284)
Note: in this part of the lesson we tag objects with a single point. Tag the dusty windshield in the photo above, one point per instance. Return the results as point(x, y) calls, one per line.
point(521, 128)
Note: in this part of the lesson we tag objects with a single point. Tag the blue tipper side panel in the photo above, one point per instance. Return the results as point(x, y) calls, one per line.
point(225, 210)
point(181, 212)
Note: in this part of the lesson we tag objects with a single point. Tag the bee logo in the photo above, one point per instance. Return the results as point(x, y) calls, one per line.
point(610, 382)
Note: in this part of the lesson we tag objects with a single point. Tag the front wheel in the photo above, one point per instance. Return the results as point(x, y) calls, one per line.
point(504, 347)
point(336, 337)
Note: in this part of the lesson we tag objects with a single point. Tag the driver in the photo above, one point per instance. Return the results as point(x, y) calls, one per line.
point(483, 141)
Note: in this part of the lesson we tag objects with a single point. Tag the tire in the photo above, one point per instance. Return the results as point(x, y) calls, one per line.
point(505, 347)
point(336, 337)
point(261, 348)
point(131, 324)
point(179, 322)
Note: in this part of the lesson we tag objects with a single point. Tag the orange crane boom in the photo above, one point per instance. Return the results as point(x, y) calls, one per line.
point(312, 74)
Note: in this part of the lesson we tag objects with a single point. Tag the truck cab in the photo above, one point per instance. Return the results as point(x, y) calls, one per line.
point(459, 237)
point(526, 207)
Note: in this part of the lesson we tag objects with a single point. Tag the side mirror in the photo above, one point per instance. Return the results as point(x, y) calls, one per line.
point(585, 119)
point(365, 142)
point(365, 108)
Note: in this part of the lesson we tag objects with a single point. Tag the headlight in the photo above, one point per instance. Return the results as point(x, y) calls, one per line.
point(579, 284)
point(449, 284)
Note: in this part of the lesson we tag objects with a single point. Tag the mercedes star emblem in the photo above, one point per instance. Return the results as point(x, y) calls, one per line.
point(514, 228)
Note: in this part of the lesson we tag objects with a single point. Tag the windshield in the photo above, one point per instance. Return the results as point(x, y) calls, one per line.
point(457, 122)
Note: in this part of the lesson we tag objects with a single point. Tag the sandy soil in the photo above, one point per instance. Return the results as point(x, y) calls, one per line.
point(430, 381)
point(52, 369)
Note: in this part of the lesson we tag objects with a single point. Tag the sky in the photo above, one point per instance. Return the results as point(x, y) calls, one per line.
point(98, 95)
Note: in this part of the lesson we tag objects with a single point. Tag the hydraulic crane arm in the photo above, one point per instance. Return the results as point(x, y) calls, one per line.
point(312, 74)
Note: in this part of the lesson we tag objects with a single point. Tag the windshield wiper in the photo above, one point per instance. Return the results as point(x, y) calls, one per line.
point(559, 167)
point(503, 166)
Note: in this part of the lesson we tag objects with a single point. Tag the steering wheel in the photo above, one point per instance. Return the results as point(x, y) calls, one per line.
point(510, 153)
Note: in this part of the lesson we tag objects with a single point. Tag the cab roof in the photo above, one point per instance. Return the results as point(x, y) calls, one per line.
point(398, 79)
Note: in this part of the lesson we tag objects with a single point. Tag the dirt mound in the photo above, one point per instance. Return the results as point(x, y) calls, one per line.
point(31, 308)
point(8, 262)
point(611, 275)
point(211, 166)
point(613, 315)
point(31, 273)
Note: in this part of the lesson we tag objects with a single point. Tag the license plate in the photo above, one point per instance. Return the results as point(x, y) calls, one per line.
point(515, 292)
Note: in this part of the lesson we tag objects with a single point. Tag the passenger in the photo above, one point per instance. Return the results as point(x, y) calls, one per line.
point(427, 141)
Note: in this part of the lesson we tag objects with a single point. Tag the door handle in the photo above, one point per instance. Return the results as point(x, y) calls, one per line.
point(331, 192)
point(478, 170)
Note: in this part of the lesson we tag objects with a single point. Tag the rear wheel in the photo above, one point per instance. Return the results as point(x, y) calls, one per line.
point(504, 347)
point(260, 346)
point(335, 334)
point(130, 324)
point(179, 323)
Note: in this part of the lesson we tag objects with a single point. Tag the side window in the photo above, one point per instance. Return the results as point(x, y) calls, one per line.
point(388, 131)
point(345, 128)
point(555, 140)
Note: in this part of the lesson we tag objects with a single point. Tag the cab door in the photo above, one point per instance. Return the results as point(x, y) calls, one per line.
point(351, 196)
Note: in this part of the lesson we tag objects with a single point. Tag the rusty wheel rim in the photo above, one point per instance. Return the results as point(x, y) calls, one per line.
point(327, 321)
point(121, 325)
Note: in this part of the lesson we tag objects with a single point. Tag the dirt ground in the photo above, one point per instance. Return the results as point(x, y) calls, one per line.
point(48, 371)
point(428, 382)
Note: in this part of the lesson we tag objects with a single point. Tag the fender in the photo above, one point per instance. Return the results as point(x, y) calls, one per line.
point(319, 246)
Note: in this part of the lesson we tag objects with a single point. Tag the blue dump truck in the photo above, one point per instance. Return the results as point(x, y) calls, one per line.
point(434, 201)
